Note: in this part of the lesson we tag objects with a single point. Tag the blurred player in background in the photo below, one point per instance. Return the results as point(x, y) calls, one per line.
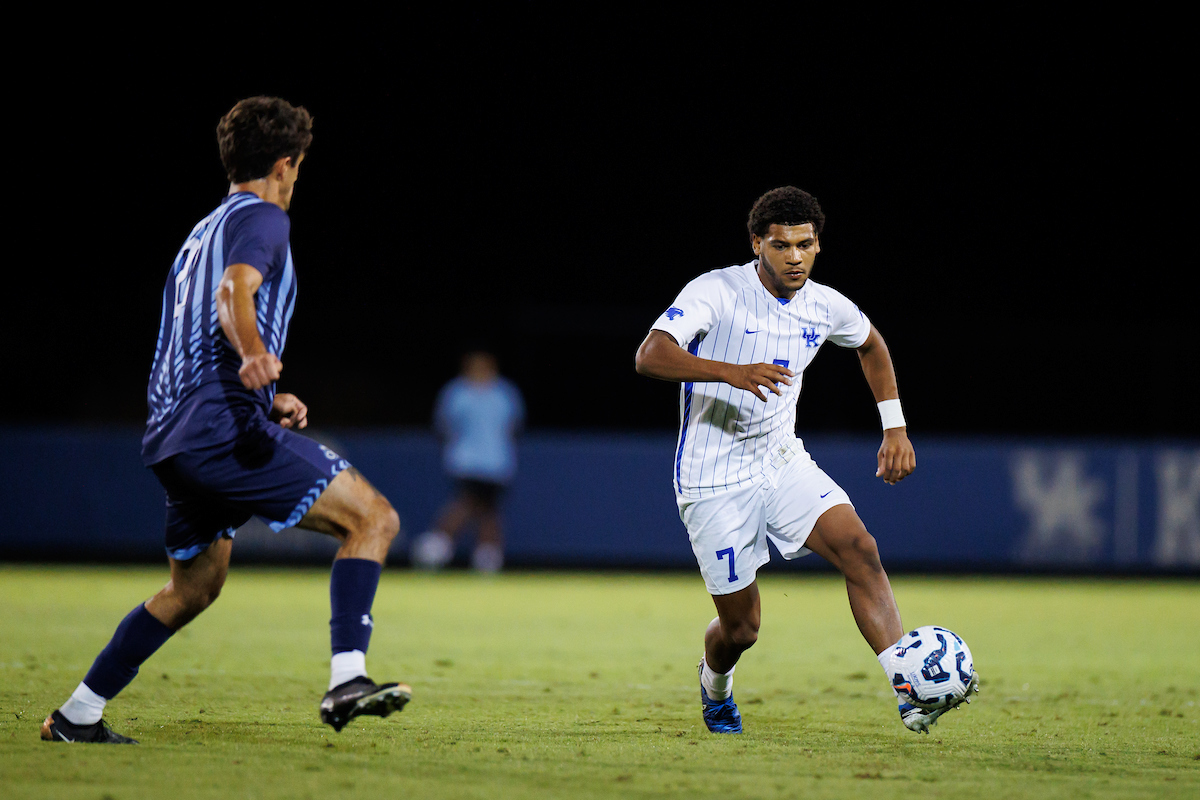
point(478, 416)
point(222, 442)
point(739, 340)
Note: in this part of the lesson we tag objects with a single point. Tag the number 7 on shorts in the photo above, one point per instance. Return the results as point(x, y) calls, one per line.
point(728, 551)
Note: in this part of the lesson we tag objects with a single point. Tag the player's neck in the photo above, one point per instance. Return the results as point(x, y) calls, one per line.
point(266, 189)
point(779, 292)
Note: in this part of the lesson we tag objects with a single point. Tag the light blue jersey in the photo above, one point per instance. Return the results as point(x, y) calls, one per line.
point(479, 422)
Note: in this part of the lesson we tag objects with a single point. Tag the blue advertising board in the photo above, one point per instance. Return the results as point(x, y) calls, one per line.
point(594, 500)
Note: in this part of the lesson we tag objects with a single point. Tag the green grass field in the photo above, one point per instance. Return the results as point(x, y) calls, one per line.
point(584, 685)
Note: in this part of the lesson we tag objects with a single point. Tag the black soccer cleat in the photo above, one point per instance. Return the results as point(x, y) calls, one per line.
point(58, 728)
point(362, 696)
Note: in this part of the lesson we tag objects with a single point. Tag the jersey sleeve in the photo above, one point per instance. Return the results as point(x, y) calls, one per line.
point(849, 327)
point(258, 235)
point(696, 309)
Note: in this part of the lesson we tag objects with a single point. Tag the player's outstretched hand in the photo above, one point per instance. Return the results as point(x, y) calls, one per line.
point(897, 459)
point(289, 412)
point(751, 377)
point(260, 370)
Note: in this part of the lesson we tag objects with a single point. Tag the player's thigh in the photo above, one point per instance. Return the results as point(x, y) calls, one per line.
point(802, 494)
point(728, 537)
point(481, 496)
point(350, 504)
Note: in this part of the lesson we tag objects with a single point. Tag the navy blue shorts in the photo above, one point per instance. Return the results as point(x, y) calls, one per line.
point(485, 495)
point(268, 471)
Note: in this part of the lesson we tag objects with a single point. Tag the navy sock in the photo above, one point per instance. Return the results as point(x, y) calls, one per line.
point(351, 592)
point(135, 640)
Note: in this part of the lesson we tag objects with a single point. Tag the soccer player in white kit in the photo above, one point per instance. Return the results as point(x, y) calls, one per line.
point(738, 339)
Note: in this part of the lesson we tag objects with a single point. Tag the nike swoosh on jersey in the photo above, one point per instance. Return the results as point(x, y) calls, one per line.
point(748, 331)
point(826, 494)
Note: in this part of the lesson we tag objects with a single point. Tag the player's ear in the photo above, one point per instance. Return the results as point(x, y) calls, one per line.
point(281, 166)
point(756, 243)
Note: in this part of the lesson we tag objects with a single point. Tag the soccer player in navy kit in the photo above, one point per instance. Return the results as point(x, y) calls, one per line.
point(221, 440)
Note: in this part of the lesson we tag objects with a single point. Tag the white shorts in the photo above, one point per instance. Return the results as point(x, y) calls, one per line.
point(729, 531)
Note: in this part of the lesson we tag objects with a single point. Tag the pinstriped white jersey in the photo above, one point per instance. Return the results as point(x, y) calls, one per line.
point(726, 435)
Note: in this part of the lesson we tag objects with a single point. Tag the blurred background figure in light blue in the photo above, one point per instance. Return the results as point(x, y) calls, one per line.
point(478, 415)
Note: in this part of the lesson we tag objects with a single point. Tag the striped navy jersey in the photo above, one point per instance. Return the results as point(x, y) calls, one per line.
point(726, 435)
point(195, 396)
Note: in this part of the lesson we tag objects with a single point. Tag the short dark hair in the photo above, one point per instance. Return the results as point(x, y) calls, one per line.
point(259, 131)
point(786, 205)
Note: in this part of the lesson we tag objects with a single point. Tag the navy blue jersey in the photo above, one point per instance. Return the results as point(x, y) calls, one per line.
point(196, 399)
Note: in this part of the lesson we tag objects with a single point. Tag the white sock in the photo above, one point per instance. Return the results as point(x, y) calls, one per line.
point(347, 666)
point(885, 661)
point(487, 557)
point(432, 550)
point(717, 685)
point(84, 707)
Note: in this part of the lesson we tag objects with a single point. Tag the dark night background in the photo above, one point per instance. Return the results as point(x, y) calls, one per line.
point(1005, 201)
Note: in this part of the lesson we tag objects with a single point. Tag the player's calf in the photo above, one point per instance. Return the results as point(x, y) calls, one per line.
point(735, 630)
point(182, 604)
point(841, 539)
point(195, 585)
point(731, 637)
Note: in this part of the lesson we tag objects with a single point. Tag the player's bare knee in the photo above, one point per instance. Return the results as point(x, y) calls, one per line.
point(862, 557)
point(379, 523)
point(391, 522)
point(201, 597)
point(214, 591)
point(384, 521)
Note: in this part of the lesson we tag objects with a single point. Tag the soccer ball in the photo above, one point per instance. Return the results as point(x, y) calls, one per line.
point(932, 668)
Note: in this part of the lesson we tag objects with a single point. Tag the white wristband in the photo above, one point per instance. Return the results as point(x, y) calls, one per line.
point(890, 414)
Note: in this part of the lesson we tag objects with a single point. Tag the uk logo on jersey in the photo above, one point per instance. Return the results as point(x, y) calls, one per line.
point(674, 312)
point(810, 337)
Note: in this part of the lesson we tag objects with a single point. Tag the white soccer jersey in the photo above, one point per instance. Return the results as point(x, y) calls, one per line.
point(726, 435)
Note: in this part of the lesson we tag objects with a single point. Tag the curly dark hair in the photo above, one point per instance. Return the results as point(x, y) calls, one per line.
point(259, 131)
point(786, 205)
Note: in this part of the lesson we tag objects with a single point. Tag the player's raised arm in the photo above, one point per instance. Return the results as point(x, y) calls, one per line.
point(896, 458)
point(239, 320)
point(661, 357)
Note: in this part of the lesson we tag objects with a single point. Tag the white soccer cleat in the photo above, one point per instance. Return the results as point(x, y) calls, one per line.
point(920, 720)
